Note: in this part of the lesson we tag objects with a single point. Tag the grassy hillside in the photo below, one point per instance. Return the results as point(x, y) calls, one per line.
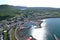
point(7, 11)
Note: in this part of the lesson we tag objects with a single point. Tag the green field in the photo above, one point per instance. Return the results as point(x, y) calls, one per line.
point(13, 34)
point(5, 35)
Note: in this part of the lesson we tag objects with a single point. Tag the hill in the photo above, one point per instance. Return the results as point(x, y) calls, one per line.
point(7, 11)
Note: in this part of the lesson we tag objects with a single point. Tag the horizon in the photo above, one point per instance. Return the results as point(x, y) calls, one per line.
point(27, 6)
point(32, 3)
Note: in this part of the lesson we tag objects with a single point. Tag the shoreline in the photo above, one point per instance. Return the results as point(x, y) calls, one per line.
point(18, 29)
point(37, 22)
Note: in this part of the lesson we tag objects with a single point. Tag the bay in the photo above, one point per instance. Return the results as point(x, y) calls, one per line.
point(50, 27)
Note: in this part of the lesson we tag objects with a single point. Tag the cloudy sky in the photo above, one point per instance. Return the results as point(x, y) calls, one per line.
point(32, 3)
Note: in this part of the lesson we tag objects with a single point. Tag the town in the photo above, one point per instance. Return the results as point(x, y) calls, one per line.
point(14, 18)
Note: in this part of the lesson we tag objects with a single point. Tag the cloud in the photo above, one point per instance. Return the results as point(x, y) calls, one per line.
point(3, 1)
point(31, 3)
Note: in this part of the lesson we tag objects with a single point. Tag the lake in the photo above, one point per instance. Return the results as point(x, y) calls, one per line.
point(49, 26)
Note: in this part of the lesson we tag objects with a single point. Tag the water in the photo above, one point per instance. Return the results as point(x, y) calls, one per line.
point(49, 26)
point(52, 26)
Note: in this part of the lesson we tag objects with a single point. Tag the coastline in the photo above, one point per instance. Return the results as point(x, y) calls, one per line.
point(19, 29)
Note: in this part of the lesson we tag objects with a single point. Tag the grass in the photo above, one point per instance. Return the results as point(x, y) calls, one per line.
point(13, 34)
point(5, 35)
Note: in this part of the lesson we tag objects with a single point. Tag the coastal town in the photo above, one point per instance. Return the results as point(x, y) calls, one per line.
point(11, 25)
point(17, 22)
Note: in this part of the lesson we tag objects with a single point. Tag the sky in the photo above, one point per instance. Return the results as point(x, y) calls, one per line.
point(32, 3)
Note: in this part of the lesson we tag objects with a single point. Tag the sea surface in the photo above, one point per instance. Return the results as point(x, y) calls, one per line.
point(50, 26)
